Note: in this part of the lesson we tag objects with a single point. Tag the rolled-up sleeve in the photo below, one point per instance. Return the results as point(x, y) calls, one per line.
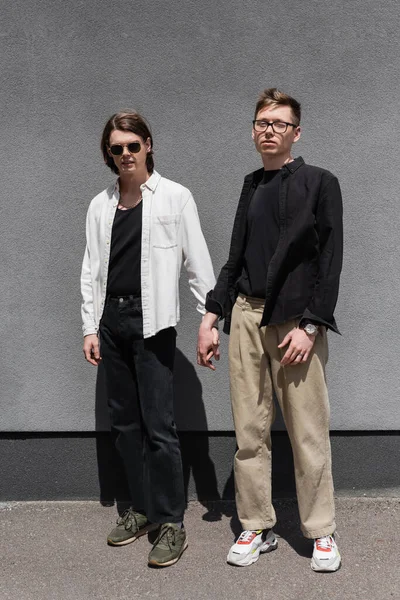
point(196, 257)
point(87, 310)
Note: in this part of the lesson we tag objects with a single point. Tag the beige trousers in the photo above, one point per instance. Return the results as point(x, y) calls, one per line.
point(255, 372)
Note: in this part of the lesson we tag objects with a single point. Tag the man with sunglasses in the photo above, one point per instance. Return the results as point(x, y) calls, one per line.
point(277, 294)
point(139, 231)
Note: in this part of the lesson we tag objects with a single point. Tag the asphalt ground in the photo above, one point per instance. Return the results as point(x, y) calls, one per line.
point(58, 550)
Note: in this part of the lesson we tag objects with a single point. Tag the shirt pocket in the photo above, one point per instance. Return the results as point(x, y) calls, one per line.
point(165, 231)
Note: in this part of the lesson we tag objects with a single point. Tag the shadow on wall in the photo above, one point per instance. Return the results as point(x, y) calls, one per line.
point(190, 417)
point(112, 482)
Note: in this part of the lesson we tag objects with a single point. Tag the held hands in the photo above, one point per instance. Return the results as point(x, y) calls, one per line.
point(300, 346)
point(208, 342)
point(91, 349)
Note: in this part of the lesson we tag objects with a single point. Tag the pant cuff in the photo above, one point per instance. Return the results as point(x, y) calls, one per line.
point(162, 520)
point(317, 533)
point(255, 525)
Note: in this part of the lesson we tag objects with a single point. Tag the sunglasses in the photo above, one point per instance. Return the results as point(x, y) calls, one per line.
point(133, 148)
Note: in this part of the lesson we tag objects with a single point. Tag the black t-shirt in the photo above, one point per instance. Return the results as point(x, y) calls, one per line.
point(262, 235)
point(125, 253)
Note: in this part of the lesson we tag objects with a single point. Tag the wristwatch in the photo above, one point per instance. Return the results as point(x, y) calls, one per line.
point(311, 329)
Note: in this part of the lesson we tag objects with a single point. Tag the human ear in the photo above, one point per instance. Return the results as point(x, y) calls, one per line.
point(297, 134)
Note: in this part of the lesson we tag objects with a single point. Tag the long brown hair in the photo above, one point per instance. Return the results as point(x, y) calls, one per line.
point(126, 121)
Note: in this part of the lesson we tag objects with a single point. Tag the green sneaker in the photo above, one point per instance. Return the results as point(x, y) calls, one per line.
point(169, 546)
point(130, 526)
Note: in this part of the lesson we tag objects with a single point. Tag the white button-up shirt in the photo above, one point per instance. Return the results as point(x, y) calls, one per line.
point(171, 234)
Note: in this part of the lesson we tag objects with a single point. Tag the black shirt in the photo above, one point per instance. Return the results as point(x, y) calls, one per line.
point(304, 273)
point(262, 235)
point(125, 253)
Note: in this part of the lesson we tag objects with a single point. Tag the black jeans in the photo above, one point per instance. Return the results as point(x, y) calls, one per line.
point(140, 397)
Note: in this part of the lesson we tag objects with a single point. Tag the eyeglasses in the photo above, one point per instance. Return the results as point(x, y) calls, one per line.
point(118, 149)
point(276, 126)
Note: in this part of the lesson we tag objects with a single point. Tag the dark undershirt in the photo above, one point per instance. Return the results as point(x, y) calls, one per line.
point(262, 235)
point(125, 254)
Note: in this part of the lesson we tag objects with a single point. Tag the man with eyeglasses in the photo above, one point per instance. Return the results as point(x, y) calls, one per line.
point(277, 294)
point(138, 232)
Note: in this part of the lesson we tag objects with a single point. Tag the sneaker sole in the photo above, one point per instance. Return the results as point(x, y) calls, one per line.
point(254, 557)
point(153, 563)
point(331, 569)
point(137, 535)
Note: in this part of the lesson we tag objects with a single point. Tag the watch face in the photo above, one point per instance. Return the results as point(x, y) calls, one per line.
point(311, 329)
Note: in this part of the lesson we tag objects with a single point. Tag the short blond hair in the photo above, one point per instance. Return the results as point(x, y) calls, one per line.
point(273, 96)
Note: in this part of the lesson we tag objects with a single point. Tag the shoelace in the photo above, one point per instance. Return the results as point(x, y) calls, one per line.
point(246, 536)
point(325, 543)
point(166, 537)
point(128, 518)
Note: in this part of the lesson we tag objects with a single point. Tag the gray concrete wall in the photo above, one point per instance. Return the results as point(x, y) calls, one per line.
point(85, 467)
point(194, 69)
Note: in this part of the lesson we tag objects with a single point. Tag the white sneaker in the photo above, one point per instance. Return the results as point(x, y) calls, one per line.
point(247, 548)
point(326, 555)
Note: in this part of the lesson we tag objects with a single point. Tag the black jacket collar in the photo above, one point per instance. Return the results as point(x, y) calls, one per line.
point(289, 169)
